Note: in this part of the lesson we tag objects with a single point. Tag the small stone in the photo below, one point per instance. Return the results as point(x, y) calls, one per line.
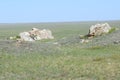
point(116, 42)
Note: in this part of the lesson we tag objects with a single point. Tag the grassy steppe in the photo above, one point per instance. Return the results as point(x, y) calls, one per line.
point(44, 60)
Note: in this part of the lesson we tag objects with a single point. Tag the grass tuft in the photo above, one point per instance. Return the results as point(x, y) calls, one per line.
point(112, 30)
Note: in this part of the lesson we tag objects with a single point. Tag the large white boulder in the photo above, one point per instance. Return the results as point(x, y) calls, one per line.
point(36, 34)
point(99, 29)
point(46, 34)
point(25, 36)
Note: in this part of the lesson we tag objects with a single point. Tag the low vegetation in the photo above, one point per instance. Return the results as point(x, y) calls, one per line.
point(63, 58)
point(113, 29)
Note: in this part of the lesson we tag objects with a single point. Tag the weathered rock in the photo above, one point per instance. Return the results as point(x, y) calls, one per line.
point(46, 34)
point(99, 29)
point(36, 34)
point(25, 36)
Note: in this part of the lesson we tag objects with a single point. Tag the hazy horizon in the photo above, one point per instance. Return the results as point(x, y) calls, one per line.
point(59, 22)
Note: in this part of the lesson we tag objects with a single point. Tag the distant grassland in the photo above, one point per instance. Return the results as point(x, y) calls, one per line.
point(59, 30)
point(46, 61)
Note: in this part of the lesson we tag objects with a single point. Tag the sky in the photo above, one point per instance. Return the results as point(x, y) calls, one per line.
point(24, 11)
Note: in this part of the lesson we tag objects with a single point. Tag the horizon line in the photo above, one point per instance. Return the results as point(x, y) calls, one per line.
point(58, 21)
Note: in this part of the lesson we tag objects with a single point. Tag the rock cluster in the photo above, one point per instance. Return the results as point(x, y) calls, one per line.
point(96, 30)
point(99, 29)
point(36, 34)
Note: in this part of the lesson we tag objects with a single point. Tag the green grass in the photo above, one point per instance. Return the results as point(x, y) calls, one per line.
point(112, 30)
point(76, 63)
point(42, 60)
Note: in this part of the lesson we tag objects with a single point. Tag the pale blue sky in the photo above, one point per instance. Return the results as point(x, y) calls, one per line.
point(15, 11)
